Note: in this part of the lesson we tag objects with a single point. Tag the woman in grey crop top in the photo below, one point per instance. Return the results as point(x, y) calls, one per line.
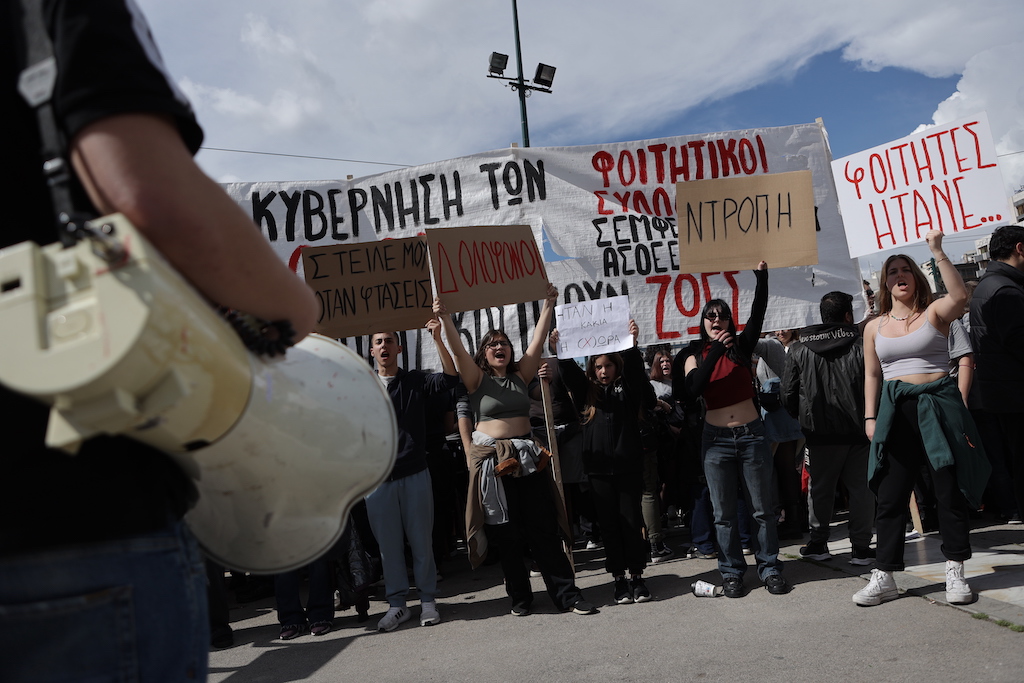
point(906, 363)
point(519, 511)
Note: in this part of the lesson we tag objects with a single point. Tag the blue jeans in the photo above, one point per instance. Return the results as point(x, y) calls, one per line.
point(132, 609)
point(319, 602)
point(400, 509)
point(738, 458)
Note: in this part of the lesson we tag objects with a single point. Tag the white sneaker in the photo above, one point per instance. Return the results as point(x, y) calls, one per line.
point(394, 617)
point(428, 614)
point(957, 590)
point(881, 588)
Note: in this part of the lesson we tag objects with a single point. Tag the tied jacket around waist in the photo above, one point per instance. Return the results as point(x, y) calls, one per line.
point(950, 435)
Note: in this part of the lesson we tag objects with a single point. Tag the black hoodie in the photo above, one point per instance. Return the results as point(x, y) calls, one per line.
point(823, 383)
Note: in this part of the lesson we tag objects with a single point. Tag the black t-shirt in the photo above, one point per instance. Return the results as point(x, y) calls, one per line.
point(113, 487)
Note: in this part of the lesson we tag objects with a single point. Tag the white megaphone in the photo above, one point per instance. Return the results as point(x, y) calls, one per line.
point(117, 342)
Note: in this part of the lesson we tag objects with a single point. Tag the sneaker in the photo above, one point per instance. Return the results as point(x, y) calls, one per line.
point(428, 614)
point(320, 628)
point(698, 554)
point(394, 617)
point(881, 588)
point(957, 590)
point(660, 551)
point(776, 584)
point(222, 638)
point(732, 586)
point(289, 631)
point(816, 551)
point(520, 609)
point(593, 545)
point(583, 607)
point(639, 589)
point(747, 550)
point(862, 556)
point(534, 570)
point(623, 594)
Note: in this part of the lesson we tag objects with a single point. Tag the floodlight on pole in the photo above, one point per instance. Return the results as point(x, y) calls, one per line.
point(542, 78)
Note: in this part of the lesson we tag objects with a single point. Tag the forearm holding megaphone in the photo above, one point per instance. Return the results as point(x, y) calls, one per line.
point(279, 449)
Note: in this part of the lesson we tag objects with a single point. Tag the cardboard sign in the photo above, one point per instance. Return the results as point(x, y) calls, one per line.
point(369, 287)
point(480, 267)
point(733, 223)
point(591, 328)
point(943, 178)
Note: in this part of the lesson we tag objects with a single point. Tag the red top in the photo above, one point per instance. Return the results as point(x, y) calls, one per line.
point(730, 383)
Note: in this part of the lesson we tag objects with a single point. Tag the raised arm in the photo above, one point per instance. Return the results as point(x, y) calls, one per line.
point(752, 330)
point(468, 370)
point(447, 362)
point(530, 361)
point(634, 373)
point(950, 307)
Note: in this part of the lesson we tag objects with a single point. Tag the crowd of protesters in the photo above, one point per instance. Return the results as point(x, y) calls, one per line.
point(743, 438)
point(92, 547)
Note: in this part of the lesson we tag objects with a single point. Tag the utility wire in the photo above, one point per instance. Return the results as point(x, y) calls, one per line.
point(302, 156)
point(377, 163)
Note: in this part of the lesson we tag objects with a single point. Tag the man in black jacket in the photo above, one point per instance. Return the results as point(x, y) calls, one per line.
point(997, 335)
point(403, 506)
point(823, 387)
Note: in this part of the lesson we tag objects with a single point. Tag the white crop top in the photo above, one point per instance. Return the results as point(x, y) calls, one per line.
point(925, 350)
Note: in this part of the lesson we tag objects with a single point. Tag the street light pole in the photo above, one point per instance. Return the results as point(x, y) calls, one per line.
point(522, 85)
point(541, 81)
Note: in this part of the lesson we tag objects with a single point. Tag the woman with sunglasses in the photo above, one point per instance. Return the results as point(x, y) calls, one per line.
point(717, 368)
point(509, 490)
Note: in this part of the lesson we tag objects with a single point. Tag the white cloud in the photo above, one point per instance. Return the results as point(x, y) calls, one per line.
point(992, 82)
point(403, 80)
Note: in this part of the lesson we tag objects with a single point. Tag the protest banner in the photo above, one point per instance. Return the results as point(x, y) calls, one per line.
point(942, 178)
point(729, 223)
point(369, 287)
point(603, 216)
point(591, 328)
point(477, 267)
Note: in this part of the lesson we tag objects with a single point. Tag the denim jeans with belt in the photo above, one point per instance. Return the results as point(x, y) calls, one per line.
point(739, 458)
point(131, 609)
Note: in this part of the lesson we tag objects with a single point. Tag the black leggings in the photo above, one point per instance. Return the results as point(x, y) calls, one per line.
point(617, 502)
point(904, 456)
point(532, 529)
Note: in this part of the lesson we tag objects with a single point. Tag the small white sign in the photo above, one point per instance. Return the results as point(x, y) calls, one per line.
point(943, 178)
point(591, 328)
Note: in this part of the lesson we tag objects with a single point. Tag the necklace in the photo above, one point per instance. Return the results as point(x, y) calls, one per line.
point(899, 320)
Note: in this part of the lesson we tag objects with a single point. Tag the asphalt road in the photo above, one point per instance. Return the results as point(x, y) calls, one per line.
point(816, 633)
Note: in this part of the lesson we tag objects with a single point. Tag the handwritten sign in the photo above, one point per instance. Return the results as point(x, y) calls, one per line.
point(730, 224)
point(480, 267)
point(593, 327)
point(369, 287)
point(943, 178)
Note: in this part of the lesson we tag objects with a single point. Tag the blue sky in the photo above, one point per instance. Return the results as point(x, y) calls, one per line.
point(860, 108)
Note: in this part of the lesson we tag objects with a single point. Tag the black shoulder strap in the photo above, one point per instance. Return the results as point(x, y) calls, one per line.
point(35, 84)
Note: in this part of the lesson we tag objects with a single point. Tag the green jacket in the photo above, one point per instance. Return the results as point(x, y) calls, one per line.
point(950, 436)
